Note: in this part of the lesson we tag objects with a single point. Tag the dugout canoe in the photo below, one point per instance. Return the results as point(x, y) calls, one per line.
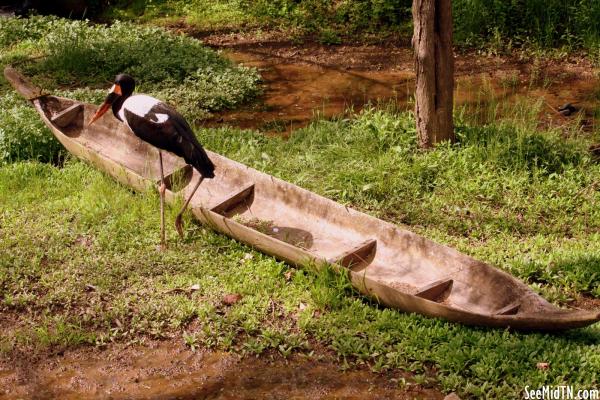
point(398, 268)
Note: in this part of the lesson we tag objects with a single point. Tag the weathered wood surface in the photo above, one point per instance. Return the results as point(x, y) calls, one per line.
point(22, 85)
point(434, 67)
point(388, 263)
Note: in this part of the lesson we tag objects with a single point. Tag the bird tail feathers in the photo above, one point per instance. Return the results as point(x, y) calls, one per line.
point(200, 160)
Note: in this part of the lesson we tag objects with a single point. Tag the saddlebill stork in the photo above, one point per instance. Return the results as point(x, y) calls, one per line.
point(163, 127)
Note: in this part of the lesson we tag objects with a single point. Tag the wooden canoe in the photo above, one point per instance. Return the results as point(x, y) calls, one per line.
point(398, 268)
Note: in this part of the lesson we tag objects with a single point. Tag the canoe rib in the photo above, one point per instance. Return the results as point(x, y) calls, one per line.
point(435, 290)
point(510, 309)
point(396, 267)
point(233, 199)
point(67, 116)
point(357, 257)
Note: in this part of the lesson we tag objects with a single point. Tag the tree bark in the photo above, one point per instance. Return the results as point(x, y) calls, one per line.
point(434, 66)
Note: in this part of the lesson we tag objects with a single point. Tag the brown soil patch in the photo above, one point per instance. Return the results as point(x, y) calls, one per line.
point(586, 303)
point(167, 370)
point(392, 54)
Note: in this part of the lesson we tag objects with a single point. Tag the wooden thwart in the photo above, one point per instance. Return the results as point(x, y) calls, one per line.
point(510, 309)
point(65, 117)
point(435, 290)
point(177, 178)
point(233, 199)
point(357, 257)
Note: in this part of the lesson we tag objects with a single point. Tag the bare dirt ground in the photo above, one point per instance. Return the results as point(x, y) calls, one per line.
point(168, 370)
point(586, 303)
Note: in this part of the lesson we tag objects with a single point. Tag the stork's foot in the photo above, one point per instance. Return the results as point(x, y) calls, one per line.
point(178, 222)
point(162, 247)
point(179, 225)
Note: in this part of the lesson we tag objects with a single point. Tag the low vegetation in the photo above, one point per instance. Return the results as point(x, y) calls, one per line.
point(78, 258)
point(537, 23)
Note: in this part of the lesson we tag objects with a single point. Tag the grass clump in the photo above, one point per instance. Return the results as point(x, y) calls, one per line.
point(552, 23)
point(95, 53)
point(16, 30)
point(203, 14)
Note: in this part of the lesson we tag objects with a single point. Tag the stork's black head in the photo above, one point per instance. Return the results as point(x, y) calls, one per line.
point(122, 89)
point(126, 83)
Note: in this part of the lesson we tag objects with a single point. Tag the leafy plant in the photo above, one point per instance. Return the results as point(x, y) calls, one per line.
point(23, 135)
point(499, 24)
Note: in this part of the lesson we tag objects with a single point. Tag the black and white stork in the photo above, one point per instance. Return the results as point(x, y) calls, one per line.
point(163, 127)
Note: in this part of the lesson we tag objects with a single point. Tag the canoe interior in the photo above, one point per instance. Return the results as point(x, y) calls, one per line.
point(394, 265)
point(109, 138)
point(376, 250)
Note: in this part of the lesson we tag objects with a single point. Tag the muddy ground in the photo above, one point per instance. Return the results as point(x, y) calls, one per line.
point(168, 370)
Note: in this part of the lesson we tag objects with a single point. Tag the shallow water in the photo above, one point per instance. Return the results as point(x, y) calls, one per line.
point(297, 91)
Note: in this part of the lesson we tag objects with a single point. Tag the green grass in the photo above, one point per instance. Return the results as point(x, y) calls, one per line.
point(202, 14)
point(535, 23)
point(79, 265)
point(546, 23)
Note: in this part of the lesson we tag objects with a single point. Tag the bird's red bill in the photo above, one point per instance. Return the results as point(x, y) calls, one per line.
point(104, 108)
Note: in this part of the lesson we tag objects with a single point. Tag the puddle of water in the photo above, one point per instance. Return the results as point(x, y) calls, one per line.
point(296, 91)
point(167, 371)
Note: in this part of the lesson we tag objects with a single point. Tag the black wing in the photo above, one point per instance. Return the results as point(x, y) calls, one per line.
point(173, 134)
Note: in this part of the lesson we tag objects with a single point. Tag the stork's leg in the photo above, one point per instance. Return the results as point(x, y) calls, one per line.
point(161, 191)
point(178, 223)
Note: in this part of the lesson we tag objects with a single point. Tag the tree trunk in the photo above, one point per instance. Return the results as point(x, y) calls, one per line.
point(434, 65)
